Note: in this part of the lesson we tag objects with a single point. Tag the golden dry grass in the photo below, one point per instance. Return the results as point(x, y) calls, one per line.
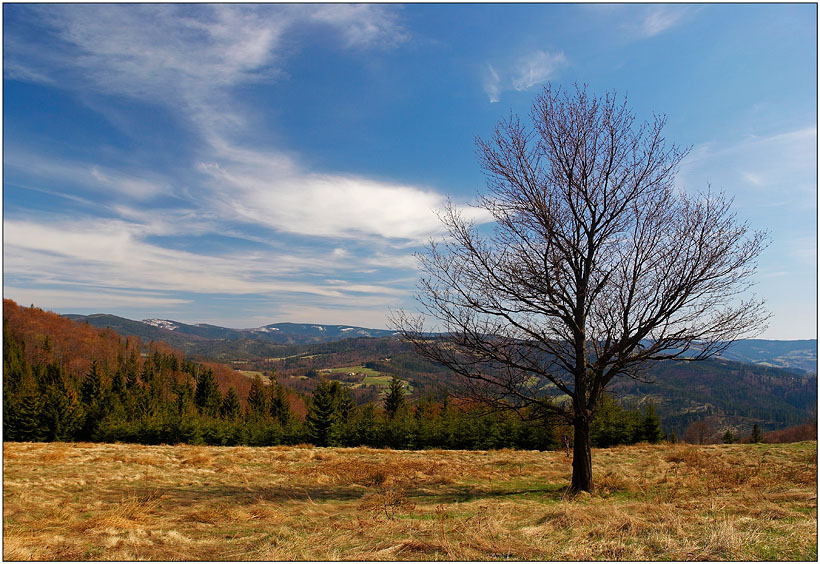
point(132, 502)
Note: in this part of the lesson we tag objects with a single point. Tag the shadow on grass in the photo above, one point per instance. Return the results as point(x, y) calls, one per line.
point(197, 494)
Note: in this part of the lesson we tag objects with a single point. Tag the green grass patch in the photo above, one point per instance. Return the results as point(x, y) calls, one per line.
point(252, 373)
point(368, 372)
point(383, 381)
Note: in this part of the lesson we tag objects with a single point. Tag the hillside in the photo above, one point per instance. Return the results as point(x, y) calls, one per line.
point(731, 395)
point(46, 338)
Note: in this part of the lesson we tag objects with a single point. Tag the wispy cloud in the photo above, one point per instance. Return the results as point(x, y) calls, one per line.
point(649, 20)
point(362, 25)
point(492, 84)
point(537, 68)
point(526, 71)
point(782, 163)
point(99, 300)
point(114, 254)
point(660, 18)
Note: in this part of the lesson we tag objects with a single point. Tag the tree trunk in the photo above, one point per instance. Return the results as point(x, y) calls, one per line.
point(581, 457)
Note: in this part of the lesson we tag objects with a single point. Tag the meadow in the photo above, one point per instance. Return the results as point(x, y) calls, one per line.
point(83, 501)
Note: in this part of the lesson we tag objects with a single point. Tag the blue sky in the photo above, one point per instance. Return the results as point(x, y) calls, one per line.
point(249, 164)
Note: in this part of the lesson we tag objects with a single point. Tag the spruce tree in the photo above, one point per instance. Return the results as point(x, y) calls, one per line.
point(184, 391)
point(118, 385)
point(91, 390)
point(343, 401)
point(394, 400)
point(91, 394)
point(280, 405)
point(257, 398)
point(207, 397)
point(611, 425)
point(132, 370)
point(230, 405)
point(24, 418)
point(651, 430)
point(62, 414)
point(342, 432)
point(322, 414)
point(756, 435)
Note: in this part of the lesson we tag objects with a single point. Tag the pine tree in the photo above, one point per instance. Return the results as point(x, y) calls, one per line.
point(322, 414)
point(207, 397)
point(344, 408)
point(651, 430)
point(257, 398)
point(729, 437)
point(62, 414)
point(131, 370)
point(118, 385)
point(394, 400)
point(230, 405)
point(343, 401)
point(184, 391)
point(23, 420)
point(756, 435)
point(280, 405)
point(612, 424)
point(91, 394)
point(91, 390)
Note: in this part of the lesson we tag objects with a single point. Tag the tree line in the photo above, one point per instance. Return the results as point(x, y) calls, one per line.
point(155, 397)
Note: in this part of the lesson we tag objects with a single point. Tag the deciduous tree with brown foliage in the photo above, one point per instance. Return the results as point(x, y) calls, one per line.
point(597, 264)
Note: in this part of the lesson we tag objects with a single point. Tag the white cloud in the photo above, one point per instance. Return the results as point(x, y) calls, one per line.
point(69, 299)
point(89, 177)
point(537, 68)
point(781, 165)
point(660, 18)
point(492, 84)
point(114, 254)
point(753, 178)
point(642, 21)
point(362, 25)
point(325, 205)
point(525, 72)
point(154, 50)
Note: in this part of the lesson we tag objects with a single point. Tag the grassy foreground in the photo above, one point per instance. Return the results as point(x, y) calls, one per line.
point(665, 502)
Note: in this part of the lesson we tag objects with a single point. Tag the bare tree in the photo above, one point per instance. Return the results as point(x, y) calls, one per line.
point(596, 265)
point(701, 432)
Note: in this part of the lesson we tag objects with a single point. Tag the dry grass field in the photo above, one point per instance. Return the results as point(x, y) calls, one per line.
point(664, 502)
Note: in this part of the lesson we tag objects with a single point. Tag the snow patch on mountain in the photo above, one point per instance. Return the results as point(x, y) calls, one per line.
point(162, 323)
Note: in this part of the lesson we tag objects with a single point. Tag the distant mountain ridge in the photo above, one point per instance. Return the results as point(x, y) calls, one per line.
point(178, 333)
point(795, 354)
